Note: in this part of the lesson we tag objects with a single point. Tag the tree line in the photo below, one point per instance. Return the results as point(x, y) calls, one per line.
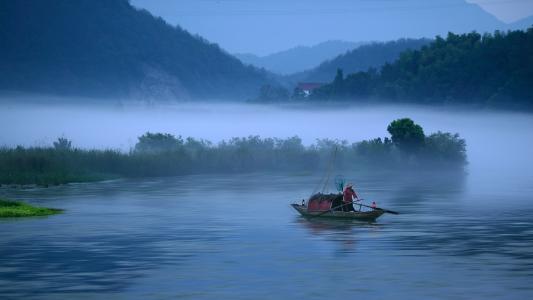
point(160, 154)
point(487, 70)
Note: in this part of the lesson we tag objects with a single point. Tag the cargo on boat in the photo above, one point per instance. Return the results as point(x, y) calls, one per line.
point(330, 206)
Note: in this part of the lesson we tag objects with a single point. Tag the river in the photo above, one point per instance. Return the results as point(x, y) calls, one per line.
point(459, 235)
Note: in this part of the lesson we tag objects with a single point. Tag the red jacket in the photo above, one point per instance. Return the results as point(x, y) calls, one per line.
point(348, 195)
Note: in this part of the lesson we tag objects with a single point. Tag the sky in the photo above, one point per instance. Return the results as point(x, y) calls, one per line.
point(262, 27)
point(507, 10)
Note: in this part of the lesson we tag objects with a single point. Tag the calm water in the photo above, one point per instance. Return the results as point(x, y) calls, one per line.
point(235, 237)
point(459, 236)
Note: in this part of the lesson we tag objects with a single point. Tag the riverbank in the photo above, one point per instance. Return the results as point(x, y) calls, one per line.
point(15, 209)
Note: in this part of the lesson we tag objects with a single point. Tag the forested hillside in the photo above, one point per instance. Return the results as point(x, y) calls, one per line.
point(490, 69)
point(373, 55)
point(109, 48)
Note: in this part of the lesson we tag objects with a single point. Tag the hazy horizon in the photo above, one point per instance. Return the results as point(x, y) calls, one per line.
point(298, 23)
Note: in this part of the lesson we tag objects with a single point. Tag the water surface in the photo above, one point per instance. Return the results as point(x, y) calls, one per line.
point(235, 237)
point(459, 235)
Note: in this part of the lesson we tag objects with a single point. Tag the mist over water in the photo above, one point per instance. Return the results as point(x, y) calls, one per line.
point(458, 234)
point(495, 140)
point(499, 143)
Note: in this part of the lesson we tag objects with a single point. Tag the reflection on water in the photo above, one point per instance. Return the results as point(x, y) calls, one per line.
point(342, 232)
point(235, 237)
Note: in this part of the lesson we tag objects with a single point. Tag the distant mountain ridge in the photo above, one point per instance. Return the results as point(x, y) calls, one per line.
point(267, 26)
point(373, 55)
point(520, 24)
point(108, 48)
point(299, 58)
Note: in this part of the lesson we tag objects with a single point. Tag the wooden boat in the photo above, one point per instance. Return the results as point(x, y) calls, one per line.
point(331, 206)
point(353, 215)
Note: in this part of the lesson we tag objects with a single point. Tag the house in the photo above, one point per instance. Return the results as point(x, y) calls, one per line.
point(305, 89)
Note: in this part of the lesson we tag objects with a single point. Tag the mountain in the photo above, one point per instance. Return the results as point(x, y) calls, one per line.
point(299, 58)
point(373, 55)
point(259, 27)
point(521, 24)
point(487, 70)
point(108, 48)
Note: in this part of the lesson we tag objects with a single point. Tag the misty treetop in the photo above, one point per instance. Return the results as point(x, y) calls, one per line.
point(406, 135)
point(444, 147)
point(161, 154)
point(489, 69)
point(408, 146)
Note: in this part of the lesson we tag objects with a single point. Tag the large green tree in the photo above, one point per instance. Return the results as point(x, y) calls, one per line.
point(406, 135)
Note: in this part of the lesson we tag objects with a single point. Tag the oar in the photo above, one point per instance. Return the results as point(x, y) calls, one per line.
point(379, 208)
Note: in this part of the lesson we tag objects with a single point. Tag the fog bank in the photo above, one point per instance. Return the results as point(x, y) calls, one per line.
point(495, 140)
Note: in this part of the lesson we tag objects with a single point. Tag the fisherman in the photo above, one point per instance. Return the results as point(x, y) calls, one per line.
point(348, 197)
point(374, 205)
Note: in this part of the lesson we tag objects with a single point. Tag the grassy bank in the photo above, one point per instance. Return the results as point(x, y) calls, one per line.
point(12, 209)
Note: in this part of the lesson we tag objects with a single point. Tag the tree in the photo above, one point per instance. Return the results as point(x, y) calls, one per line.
point(339, 77)
point(446, 147)
point(406, 135)
point(338, 83)
point(375, 150)
point(157, 143)
point(63, 144)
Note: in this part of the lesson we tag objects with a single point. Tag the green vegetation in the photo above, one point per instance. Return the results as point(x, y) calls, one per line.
point(54, 165)
point(406, 135)
point(410, 147)
point(11, 209)
point(487, 70)
point(364, 57)
point(157, 154)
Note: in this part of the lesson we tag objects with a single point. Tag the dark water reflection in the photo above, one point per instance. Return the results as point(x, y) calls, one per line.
point(235, 237)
